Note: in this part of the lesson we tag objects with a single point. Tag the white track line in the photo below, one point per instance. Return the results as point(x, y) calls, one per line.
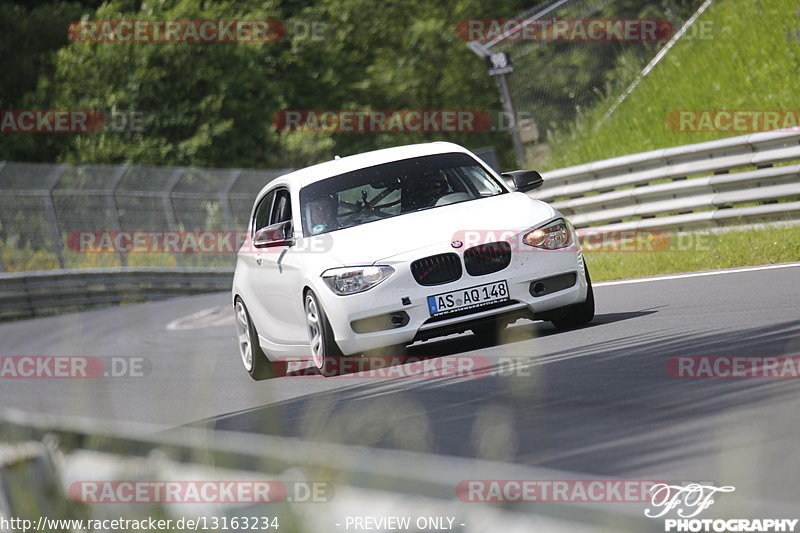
point(696, 274)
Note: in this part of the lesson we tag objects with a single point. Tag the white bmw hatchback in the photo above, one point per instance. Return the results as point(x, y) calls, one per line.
point(382, 249)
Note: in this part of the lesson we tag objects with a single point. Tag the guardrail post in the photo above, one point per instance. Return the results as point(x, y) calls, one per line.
point(50, 210)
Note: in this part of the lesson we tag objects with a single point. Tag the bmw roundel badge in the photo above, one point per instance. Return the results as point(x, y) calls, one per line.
point(456, 244)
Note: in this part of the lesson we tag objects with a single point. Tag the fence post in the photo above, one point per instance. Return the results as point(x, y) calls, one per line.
point(169, 207)
point(113, 208)
point(50, 210)
point(225, 198)
point(2, 265)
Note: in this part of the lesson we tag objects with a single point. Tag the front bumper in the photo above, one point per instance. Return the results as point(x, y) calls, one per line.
point(402, 295)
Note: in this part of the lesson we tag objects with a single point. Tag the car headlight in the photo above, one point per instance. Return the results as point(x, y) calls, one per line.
point(552, 236)
point(351, 280)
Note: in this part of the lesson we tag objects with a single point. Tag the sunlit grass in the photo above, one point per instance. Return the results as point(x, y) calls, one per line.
point(700, 251)
point(747, 64)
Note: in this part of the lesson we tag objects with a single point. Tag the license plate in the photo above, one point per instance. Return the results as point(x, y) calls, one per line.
point(470, 298)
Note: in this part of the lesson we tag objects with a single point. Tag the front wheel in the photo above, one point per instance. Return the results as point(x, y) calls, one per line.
point(324, 349)
point(253, 357)
point(580, 314)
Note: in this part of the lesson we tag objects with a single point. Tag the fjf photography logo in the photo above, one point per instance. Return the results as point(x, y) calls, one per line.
point(688, 501)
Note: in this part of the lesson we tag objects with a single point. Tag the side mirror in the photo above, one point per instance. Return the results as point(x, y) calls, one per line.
point(524, 180)
point(279, 234)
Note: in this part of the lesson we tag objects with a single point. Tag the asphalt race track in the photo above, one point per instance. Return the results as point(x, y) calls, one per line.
point(596, 400)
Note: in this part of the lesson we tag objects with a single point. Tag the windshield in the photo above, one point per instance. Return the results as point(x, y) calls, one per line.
point(392, 189)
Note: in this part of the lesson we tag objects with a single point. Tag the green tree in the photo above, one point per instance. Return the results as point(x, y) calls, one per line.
point(31, 32)
point(213, 104)
point(203, 104)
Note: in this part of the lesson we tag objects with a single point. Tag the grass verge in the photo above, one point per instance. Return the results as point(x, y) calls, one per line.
point(700, 251)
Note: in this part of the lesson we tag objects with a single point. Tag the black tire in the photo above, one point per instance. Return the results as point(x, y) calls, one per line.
point(488, 332)
point(580, 314)
point(324, 350)
point(253, 357)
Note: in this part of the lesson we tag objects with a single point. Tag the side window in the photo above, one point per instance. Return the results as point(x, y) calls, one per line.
point(261, 218)
point(480, 181)
point(282, 210)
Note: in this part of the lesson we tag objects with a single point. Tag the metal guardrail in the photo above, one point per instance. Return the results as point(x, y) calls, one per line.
point(729, 181)
point(42, 293)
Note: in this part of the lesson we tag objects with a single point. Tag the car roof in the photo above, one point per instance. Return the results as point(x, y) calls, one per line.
point(305, 176)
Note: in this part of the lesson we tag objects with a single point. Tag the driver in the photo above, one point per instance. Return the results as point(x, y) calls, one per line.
point(430, 190)
point(322, 213)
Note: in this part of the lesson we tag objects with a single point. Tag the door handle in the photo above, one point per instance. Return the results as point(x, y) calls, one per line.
point(258, 258)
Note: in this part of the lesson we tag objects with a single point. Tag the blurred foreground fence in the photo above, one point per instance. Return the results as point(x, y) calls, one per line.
point(47, 456)
point(729, 182)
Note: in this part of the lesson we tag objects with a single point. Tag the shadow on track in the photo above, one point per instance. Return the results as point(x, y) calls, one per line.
point(602, 408)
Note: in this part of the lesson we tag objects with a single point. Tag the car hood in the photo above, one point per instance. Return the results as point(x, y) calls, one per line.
point(395, 237)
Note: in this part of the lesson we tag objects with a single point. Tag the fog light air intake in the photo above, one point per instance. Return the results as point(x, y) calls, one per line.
point(544, 286)
point(398, 319)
